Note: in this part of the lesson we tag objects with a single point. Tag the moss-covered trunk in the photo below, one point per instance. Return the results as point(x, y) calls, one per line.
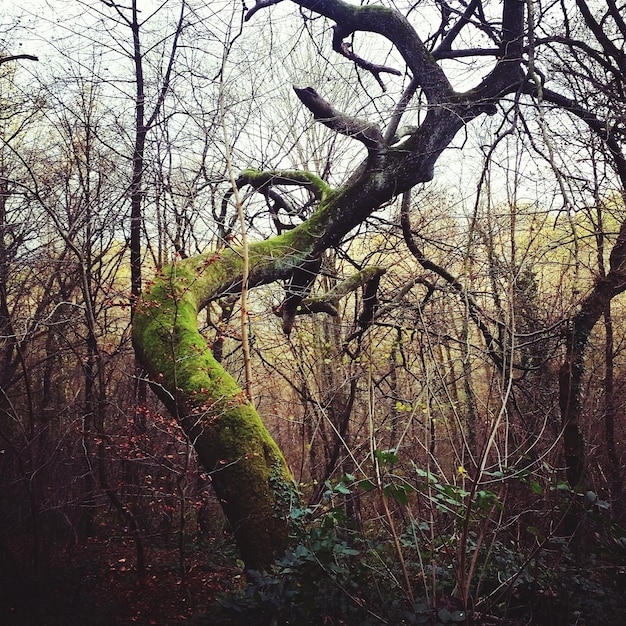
point(248, 471)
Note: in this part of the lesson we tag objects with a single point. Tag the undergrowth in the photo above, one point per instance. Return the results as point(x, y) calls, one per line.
point(338, 572)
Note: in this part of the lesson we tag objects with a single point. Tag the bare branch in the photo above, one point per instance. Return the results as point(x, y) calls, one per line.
point(368, 134)
point(345, 49)
point(396, 28)
point(466, 52)
point(261, 4)
point(601, 36)
point(600, 128)
point(473, 308)
point(617, 16)
point(507, 75)
point(329, 301)
point(17, 57)
point(400, 110)
point(446, 42)
point(170, 65)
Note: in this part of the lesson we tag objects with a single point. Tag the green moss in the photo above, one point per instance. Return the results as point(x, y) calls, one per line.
point(249, 470)
point(258, 178)
point(376, 10)
point(231, 440)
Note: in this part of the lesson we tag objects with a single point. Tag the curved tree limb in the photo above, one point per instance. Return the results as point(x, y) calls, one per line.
point(18, 57)
point(264, 181)
point(297, 178)
point(392, 25)
point(260, 4)
point(368, 134)
point(447, 41)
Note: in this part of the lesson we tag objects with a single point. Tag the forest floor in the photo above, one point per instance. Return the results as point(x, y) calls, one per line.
point(96, 584)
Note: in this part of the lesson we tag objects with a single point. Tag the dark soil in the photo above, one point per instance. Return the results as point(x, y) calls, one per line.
point(96, 583)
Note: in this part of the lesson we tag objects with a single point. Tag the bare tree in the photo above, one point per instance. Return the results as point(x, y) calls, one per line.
point(588, 61)
point(249, 473)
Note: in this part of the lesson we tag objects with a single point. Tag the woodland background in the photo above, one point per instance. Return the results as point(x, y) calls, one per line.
point(426, 439)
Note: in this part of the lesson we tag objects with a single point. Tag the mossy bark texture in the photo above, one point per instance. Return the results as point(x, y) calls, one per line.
point(248, 471)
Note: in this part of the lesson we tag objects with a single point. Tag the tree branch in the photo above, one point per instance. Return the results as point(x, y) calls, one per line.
point(329, 301)
point(260, 4)
point(599, 127)
point(396, 28)
point(368, 134)
point(507, 75)
point(295, 178)
point(17, 57)
point(446, 42)
point(601, 36)
point(345, 49)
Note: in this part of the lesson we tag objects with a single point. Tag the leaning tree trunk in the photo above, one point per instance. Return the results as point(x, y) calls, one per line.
point(249, 473)
point(572, 369)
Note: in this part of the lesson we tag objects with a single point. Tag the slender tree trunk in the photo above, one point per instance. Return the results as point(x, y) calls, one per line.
point(572, 369)
point(136, 194)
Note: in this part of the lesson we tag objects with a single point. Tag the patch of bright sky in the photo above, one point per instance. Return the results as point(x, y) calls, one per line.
point(52, 29)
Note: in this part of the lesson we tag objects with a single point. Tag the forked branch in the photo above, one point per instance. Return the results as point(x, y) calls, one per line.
point(328, 302)
point(345, 49)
